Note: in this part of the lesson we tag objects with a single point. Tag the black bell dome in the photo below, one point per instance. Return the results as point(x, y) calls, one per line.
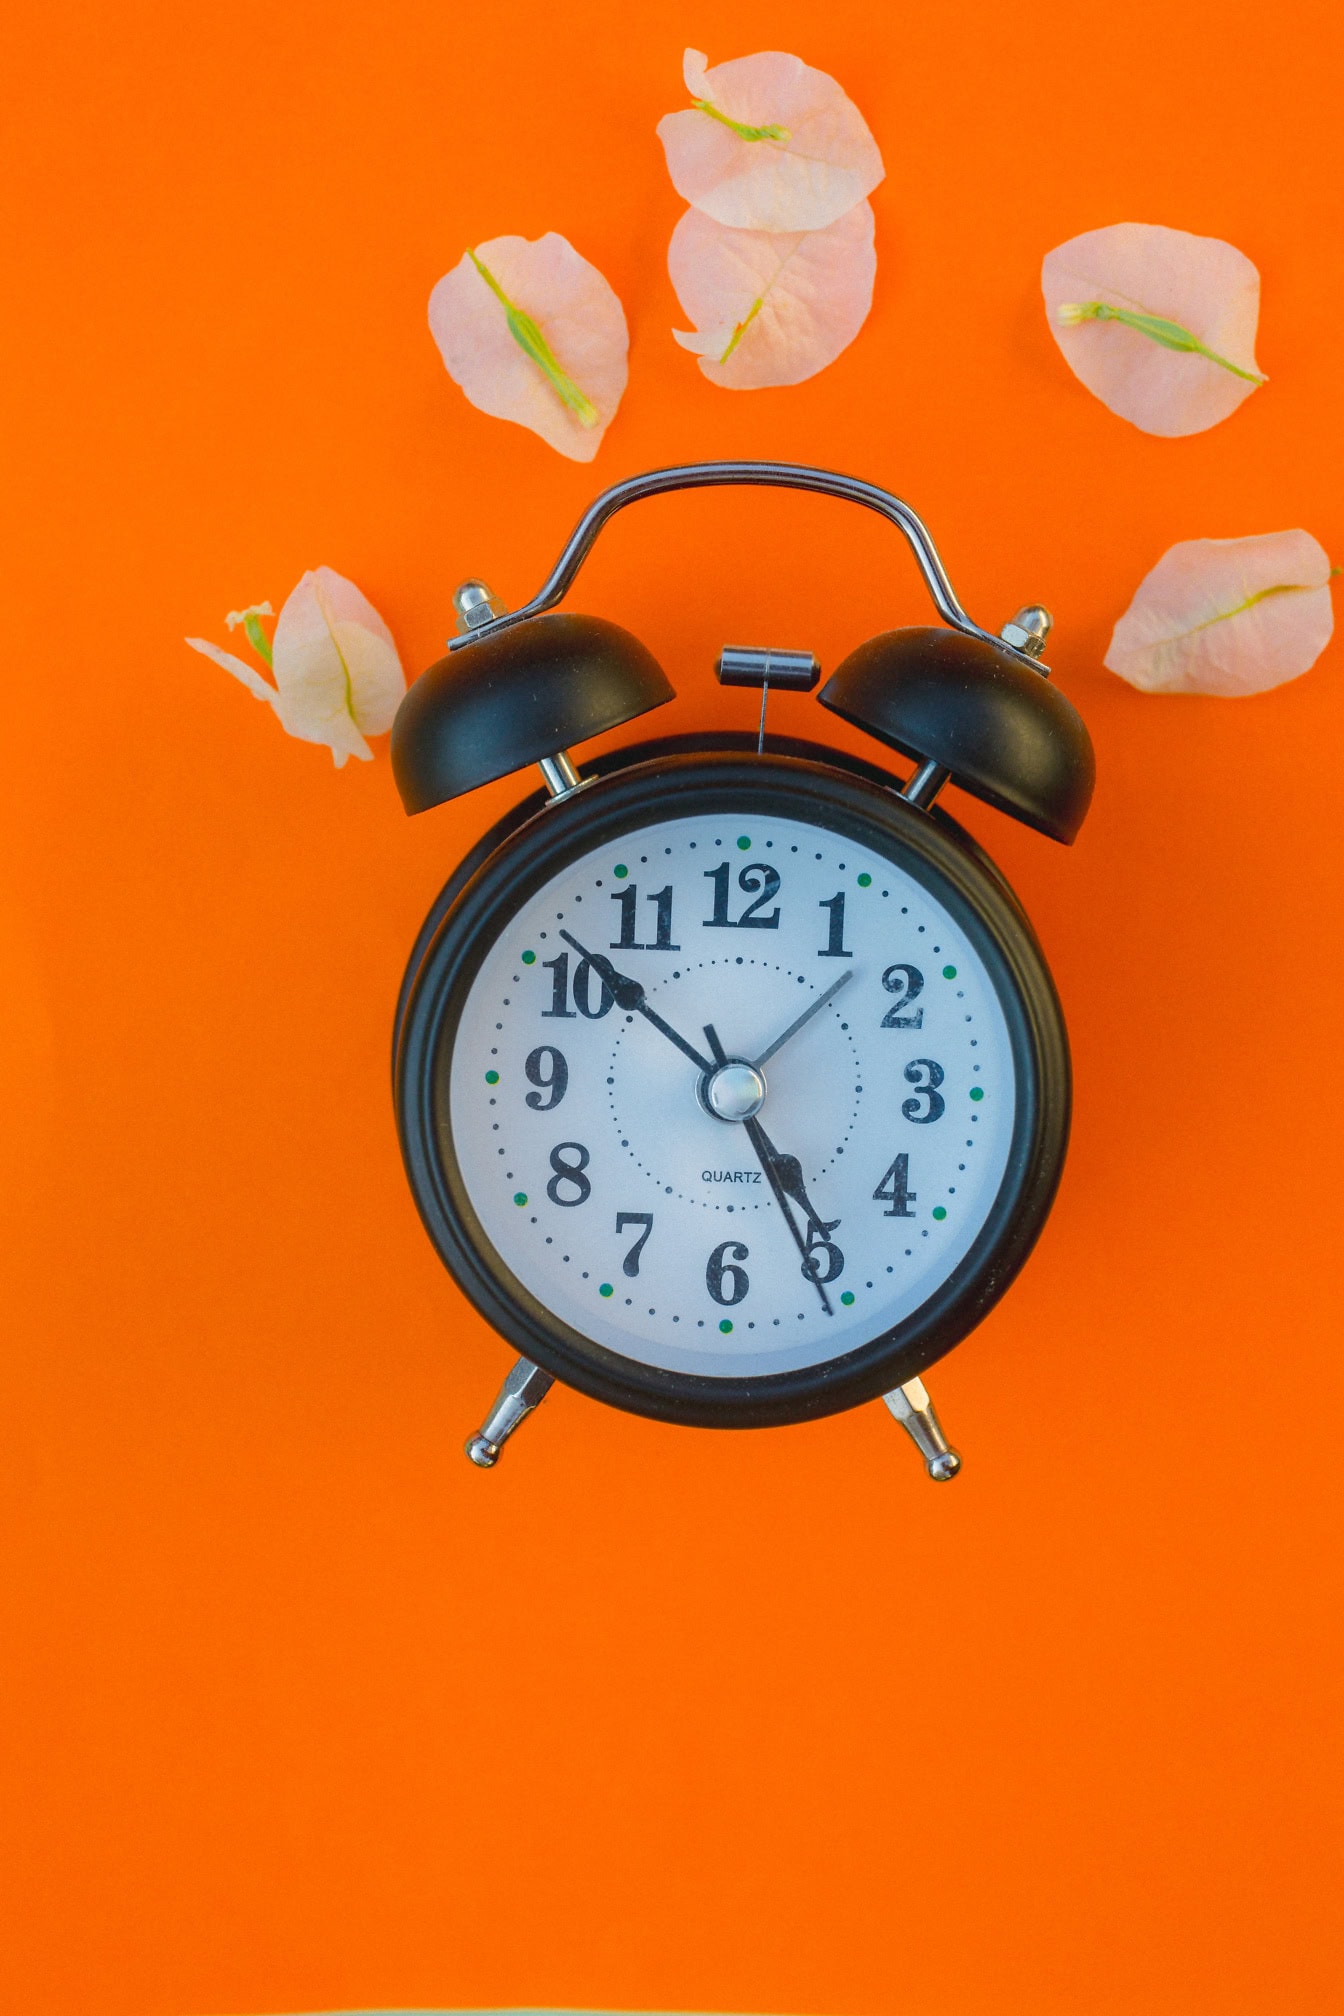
point(978, 709)
point(504, 701)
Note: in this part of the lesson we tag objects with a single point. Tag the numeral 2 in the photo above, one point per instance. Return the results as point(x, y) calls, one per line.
point(906, 983)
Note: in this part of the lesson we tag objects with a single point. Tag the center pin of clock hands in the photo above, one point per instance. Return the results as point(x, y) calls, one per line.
point(784, 1174)
point(628, 995)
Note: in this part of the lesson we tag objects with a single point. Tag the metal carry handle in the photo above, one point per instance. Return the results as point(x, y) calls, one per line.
point(715, 475)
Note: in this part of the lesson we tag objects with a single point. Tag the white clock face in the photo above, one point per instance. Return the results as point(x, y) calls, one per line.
point(736, 1212)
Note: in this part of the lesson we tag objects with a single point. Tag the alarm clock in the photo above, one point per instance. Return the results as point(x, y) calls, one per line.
point(730, 1079)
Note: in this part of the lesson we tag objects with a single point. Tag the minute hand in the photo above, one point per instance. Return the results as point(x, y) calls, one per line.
point(812, 1008)
point(629, 995)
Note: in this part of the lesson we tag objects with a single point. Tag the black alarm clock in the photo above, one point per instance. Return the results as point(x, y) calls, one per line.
point(730, 1079)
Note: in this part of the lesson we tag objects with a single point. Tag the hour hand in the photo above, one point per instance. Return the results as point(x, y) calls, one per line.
point(628, 995)
point(789, 1171)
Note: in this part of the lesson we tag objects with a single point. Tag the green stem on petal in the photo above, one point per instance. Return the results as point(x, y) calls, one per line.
point(257, 638)
point(1259, 595)
point(735, 126)
point(1169, 334)
point(743, 326)
point(529, 339)
point(252, 630)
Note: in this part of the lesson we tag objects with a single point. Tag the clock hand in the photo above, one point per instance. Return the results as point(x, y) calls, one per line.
point(812, 1008)
point(628, 994)
point(790, 1173)
point(768, 1159)
point(771, 1162)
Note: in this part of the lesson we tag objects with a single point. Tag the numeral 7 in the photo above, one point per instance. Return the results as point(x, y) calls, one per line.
point(630, 1264)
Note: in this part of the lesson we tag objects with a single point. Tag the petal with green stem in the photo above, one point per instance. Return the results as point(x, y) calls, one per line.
point(1227, 616)
point(771, 308)
point(1159, 324)
point(769, 144)
point(531, 332)
point(337, 672)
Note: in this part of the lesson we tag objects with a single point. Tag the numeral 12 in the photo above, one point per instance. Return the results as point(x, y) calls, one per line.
point(757, 879)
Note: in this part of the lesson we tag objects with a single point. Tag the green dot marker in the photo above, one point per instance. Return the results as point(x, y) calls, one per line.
point(847, 1297)
point(940, 1211)
point(725, 1326)
point(606, 1289)
point(949, 972)
point(977, 1091)
point(865, 881)
point(492, 1077)
point(743, 843)
point(620, 871)
point(520, 1196)
point(529, 958)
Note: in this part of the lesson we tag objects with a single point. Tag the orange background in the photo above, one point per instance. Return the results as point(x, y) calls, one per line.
point(298, 1710)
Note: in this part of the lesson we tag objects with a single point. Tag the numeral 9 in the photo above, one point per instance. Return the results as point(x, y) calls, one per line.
point(552, 1077)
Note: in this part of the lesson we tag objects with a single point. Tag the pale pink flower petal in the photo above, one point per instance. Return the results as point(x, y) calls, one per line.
point(780, 147)
point(1230, 616)
point(337, 673)
point(1203, 286)
point(772, 308)
point(259, 688)
point(545, 345)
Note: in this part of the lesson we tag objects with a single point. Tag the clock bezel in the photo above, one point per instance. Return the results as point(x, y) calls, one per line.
point(533, 843)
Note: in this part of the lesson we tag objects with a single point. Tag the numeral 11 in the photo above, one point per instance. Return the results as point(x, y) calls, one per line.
point(629, 902)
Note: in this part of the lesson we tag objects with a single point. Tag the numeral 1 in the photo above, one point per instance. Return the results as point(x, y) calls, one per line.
point(560, 987)
point(834, 947)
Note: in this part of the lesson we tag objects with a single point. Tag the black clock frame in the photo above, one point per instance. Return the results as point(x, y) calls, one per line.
point(524, 851)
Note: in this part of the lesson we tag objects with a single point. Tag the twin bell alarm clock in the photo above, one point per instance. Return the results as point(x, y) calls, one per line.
point(731, 1082)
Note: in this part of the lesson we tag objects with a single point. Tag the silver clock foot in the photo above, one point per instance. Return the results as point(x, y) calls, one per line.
point(525, 1388)
point(914, 1410)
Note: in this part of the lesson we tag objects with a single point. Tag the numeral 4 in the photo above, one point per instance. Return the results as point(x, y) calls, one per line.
point(894, 1190)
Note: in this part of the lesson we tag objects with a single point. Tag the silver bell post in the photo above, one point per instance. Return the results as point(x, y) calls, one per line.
point(912, 1407)
point(522, 1392)
point(476, 605)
